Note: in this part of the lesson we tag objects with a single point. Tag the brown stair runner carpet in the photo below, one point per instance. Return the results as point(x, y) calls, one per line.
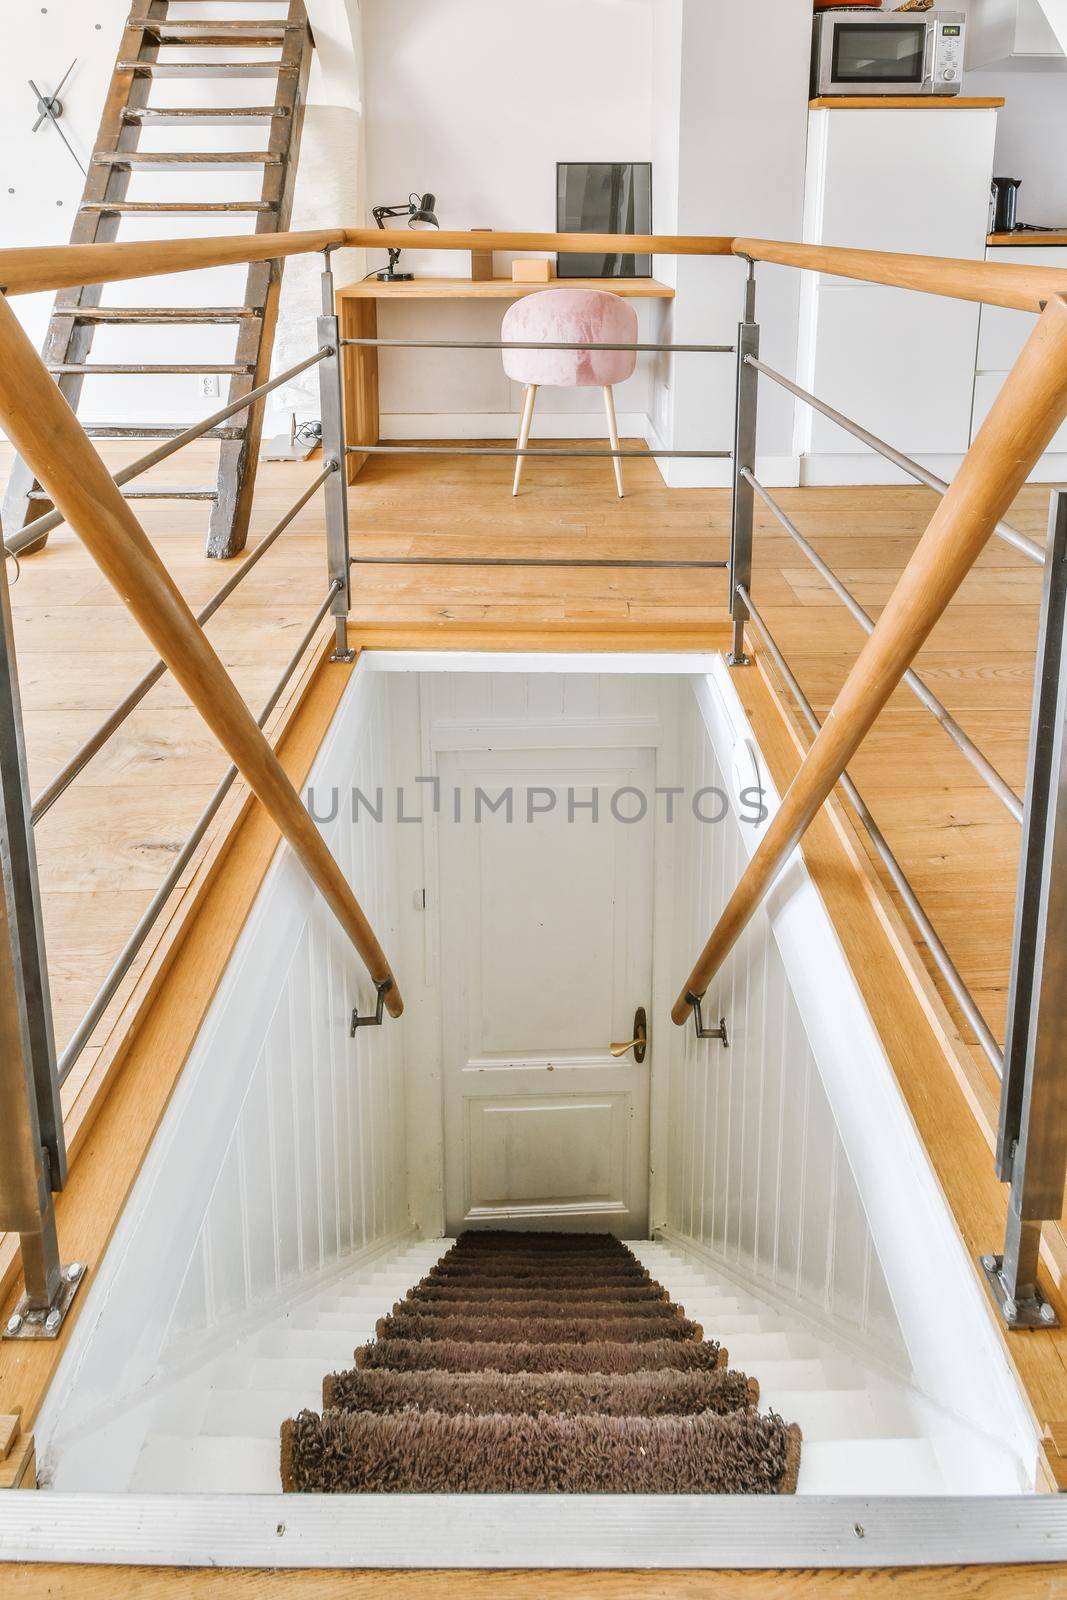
point(539, 1363)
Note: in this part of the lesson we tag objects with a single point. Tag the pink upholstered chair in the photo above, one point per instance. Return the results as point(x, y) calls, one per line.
point(567, 316)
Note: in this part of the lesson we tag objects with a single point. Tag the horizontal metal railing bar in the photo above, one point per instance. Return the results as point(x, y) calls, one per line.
point(96, 741)
point(962, 740)
point(35, 530)
point(521, 561)
point(128, 955)
point(1018, 541)
point(945, 965)
point(486, 450)
point(540, 344)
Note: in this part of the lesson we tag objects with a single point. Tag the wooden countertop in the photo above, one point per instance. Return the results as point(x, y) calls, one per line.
point(1026, 241)
point(498, 288)
point(907, 102)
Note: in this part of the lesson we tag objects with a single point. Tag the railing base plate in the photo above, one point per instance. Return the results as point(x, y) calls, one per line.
point(1036, 1312)
point(27, 1324)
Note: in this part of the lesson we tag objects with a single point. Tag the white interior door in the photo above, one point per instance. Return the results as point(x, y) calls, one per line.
point(546, 954)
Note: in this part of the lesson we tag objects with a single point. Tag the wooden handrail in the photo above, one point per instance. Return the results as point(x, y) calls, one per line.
point(28, 271)
point(69, 266)
point(1027, 412)
point(654, 244)
point(991, 283)
point(46, 433)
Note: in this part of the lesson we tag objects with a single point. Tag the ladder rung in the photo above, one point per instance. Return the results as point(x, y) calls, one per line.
point(153, 314)
point(114, 368)
point(211, 31)
point(129, 208)
point(205, 69)
point(155, 430)
point(160, 491)
point(220, 116)
point(242, 159)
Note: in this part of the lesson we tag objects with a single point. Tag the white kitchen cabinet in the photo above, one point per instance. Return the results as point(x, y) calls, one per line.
point(999, 31)
point(1001, 337)
point(900, 363)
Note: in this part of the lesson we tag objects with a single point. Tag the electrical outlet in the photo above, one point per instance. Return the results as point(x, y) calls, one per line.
point(209, 385)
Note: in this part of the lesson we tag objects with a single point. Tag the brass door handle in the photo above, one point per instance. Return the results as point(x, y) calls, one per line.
point(639, 1043)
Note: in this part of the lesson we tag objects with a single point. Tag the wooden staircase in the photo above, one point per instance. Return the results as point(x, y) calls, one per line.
point(131, 106)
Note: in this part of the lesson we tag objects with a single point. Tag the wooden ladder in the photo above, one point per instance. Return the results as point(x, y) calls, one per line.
point(141, 61)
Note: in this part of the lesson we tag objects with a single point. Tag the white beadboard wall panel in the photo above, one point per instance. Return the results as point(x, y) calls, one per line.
point(281, 1153)
point(799, 1169)
point(759, 1175)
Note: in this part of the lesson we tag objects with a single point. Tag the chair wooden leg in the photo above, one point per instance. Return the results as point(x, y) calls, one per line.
point(613, 434)
point(528, 401)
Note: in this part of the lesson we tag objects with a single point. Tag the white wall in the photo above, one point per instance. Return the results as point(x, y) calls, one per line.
point(1032, 126)
point(743, 110)
point(476, 101)
point(1031, 136)
point(40, 42)
point(792, 1158)
point(758, 1173)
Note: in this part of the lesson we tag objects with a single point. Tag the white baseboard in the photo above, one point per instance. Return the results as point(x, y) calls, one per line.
point(863, 467)
point(777, 472)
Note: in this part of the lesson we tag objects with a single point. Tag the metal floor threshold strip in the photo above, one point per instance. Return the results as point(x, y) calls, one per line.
point(547, 1532)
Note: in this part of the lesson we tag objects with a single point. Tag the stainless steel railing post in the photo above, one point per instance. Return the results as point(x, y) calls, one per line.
point(1032, 1137)
point(331, 390)
point(33, 1157)
point(745, 415)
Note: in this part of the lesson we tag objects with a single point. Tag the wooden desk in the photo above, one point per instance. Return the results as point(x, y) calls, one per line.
point(357, 311)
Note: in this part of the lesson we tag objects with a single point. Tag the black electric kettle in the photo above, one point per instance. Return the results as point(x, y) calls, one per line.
point(1005, 204)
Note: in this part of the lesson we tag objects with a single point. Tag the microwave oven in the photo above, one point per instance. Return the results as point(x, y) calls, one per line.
point(861, 52)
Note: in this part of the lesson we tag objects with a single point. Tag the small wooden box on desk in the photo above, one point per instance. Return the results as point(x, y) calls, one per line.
point(357, 311)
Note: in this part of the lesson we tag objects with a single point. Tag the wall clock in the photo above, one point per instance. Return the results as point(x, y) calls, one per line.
point(50, 109)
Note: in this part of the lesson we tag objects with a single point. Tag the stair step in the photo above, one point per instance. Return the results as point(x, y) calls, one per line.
point(881, 1466)
point(250, 1414)
point(707, 1308)
point(206, 69)
point(750, 1350)
point(739, 1325)
point(202, 116)
point(805, 1374)
point(174, 1463)
point(289, 1343)
point(129, 208)
point(843, 1414)
point(153, 492)
point(334, 1323)
point(212, 31)
point(150, 369)
point(162, 314)
point(238, 160)
point(160, 430)
point(278, 1372)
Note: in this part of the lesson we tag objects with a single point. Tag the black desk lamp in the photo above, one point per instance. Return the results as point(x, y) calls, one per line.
point(420, 214)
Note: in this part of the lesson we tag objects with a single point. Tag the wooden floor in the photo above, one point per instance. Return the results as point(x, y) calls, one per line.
point(109, 840)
